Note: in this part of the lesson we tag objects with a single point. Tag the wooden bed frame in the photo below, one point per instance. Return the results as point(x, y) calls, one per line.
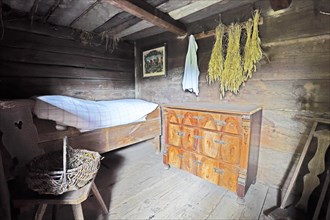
point(104, 139)
point(34, 131)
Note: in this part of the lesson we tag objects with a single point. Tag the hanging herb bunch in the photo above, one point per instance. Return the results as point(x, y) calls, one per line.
point(252, 50)
point(217, 60)
point(233, 70)
point(232, 76)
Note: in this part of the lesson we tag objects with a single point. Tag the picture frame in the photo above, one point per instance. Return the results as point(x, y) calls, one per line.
point(154, 62)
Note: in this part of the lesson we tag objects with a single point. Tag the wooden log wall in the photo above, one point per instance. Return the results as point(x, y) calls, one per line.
point(44, 63)
point(293, 83)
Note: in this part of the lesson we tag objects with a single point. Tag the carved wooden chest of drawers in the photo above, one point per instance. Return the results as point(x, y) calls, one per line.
point(217, 142)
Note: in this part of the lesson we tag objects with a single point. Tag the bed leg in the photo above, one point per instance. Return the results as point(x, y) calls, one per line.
point(156, 142)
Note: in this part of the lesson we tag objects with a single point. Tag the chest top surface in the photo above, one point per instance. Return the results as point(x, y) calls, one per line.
point(215, 107)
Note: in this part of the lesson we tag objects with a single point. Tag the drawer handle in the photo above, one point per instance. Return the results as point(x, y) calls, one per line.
point(219, 122)
point(199, 117)
point(181, 133)
point(198, 137)
point(218, 170)
point(179, 116)
point(198, 162)
point(220, 142)
point(180, 156)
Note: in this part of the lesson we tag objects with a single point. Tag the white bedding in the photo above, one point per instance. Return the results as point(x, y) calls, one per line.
point(89, 115)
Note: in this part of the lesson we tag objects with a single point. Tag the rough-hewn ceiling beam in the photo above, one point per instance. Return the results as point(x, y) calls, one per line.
point(151, 14)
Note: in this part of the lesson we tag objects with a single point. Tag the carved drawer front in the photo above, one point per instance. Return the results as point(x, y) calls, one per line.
point(220, 122)
point(188, 162)
point(181, 136)
point(205, 168)
point(174, 116)
point(181, 117)
point(216, 172)
point(229, 177)
point(174, 156)
point(174, 134)
point(219, 146)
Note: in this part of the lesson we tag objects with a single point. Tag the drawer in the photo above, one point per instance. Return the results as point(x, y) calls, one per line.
point(174, 156)
point(211, 121)
point(182, 117)
point(180, 159)
point(219, 146)
point(216, 172)
point(181, 136)
point(220, 122)
point(188, 162)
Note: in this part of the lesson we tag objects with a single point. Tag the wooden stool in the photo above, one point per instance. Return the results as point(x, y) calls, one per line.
point(22, 196)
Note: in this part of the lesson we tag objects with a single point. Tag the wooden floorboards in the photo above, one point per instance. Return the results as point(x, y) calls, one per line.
point(135, 185)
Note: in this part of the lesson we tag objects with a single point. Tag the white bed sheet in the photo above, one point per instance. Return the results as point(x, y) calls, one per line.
point(90, 115)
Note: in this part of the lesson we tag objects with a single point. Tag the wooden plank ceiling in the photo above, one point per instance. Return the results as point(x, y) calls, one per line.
point(124, 19)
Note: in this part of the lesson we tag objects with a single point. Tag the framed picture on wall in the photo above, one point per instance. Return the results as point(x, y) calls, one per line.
point(154, 61)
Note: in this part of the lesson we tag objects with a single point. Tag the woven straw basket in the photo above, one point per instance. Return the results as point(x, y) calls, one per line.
point(62, 171)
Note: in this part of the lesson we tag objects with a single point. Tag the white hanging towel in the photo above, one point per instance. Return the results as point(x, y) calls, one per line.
point(191, 71)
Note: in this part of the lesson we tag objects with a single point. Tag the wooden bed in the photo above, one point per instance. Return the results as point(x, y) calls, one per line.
point(43, 134)
point(104, 139)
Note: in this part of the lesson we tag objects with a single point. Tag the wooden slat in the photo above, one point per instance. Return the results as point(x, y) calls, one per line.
point(150, 14)
point(23, 39)
point(43, 57)
point(52, 9)
point(270, 203)
point(13, 69)
point(104, 140)
point(97, 15)
point(22, 87)
point(135, 28)
point(152, 31)
point(85, 12)
point(116, 21)
point(191, 8)
point(219, 9)
point(309, 39)
point(229, 207)
point(69, 11)
point(42, 29)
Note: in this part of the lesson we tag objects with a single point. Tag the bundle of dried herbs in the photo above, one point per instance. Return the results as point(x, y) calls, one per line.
point(252, 49)
point(217, 60)
point(232, 76)
point(248, 65)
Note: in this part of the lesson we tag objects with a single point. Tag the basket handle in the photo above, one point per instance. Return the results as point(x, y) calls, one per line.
point(65, 140)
